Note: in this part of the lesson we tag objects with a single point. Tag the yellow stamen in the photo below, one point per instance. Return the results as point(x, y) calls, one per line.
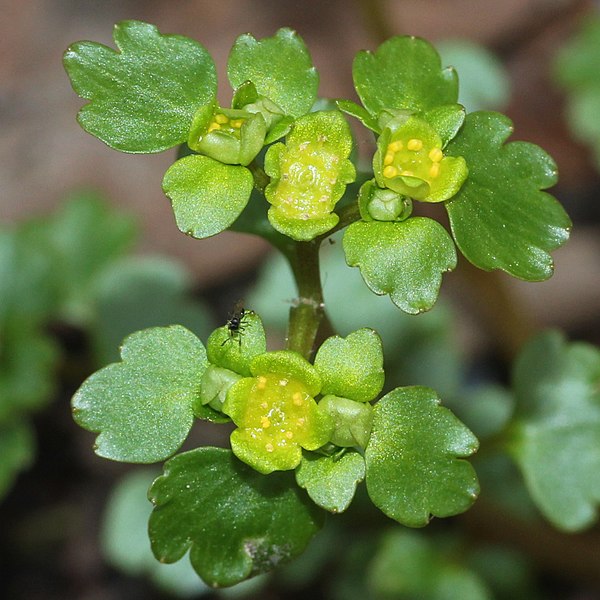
point(213, 126)
point(436, 155)
point(220, 118)
point(389, 158)
point(264, 422)
point(237, 123)
point(390, 171)
point(395, 146)
point(414, 144)
point(434, 171)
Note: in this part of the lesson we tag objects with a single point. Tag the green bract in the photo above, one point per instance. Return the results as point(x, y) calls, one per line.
point(235, 522)
point(142, 98)
point(276, 413)
point(279, 67)
point(309, 174)
point(405, 260)
point(403, 73)
point(207, 196)
point(415, 466)
point(142, 406)
point(500, 219)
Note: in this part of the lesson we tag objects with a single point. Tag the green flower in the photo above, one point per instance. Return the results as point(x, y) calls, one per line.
point(231, 136)
point(410, 161)
point(276, 412)
point(309, 174)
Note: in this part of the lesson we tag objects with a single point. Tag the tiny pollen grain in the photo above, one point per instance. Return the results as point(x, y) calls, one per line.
point(262, 383)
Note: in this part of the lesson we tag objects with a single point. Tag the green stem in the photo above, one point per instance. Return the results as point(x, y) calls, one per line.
point(308, 311)
point(261, 179)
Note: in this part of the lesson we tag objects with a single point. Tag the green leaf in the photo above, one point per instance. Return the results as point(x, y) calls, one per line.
point(207, 196)
point(143, 97)
point(235, 522)
point(17, 449)
point(360, 113)
point(405, 259)
point(500, 219)
point(403, 73)
point(124, 538)
point(142, 406)
point(28, 292)
point(280, 68)
point(484, 81)
point(141, 292)
point(28, 361)
point(407, 565)
point(87, 237)
point(555, 436)
point(414, 459)
point(352, 367)
point(331, 480)
point(577, 69)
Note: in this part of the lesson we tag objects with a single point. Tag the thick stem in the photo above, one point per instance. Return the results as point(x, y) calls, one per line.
point(308, 311)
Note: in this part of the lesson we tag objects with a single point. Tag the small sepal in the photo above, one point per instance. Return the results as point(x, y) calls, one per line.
point(352, 420)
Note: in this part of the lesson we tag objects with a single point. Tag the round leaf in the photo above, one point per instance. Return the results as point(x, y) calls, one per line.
point(331, 480)
point(403, 73)
point(235, 522)
point(280, 68)
point(500, 219)
point(352, 367)
point(555, 437)
point(142, 98)
point(405, 259)
point(414, 458)
point(142, 406)
point(207, 196)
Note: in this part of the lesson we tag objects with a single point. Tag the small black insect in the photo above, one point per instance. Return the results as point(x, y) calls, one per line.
point(235, 325)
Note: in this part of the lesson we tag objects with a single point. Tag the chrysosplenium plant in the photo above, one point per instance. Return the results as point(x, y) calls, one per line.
point(309, 422)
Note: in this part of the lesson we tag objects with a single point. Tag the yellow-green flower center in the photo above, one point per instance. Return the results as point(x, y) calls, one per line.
point(277, 411)
point(412, 158)
point(305, 190)
point(221, 122)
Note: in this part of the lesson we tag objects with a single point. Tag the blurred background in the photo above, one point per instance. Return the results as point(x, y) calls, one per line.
point(50, 517)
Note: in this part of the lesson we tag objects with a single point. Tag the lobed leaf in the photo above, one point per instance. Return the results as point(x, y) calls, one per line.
point(403, 73)
point(235, 522)
point(207, 196)
point(403, 259)
point(141, 98)
point(555, 435)
point(500, 219)
point(415, 466)
point(280, 68)
point(331, 480)
point(142, 406)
